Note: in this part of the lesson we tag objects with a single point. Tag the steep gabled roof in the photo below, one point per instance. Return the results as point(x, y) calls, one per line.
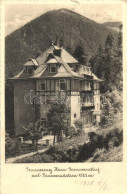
point(67, 57)
point(35, 62)
point(31, 62)
point(66, 66)
point(64, 55)
point(69, 73)
point(39, 71)
point(18, 75)
point(52, 61)
point(48, 57)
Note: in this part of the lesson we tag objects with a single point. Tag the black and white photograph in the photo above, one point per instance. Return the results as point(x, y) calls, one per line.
point(63, 83)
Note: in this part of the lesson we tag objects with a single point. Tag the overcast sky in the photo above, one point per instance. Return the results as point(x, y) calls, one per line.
point(18, 15)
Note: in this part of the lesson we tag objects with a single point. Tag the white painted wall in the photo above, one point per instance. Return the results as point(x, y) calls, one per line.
point(75, 106)
point(97, 107)
point(97, 102)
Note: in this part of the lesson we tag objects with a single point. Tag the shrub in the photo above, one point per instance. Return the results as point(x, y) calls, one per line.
point(76, 150)
point(96, 139)
point(109, 139)
point(72, 131)
point(73, 152)
point(34, 132)
point(114, 142)
point(79, 125)
point(115, 132)
point(46, 158)
point(103, 121)
point(11, 146)
point(94, 123)
point(113, 138)
point(86, 151)
point(45, 130)
point(92, 136)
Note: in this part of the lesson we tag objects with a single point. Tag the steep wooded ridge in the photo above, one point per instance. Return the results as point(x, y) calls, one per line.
point(113, 25)
point(36, 36)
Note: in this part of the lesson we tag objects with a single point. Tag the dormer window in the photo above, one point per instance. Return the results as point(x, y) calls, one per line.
point(29, 70)
point(52, 68)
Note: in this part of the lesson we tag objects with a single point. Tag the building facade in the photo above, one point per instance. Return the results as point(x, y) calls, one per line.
point(55, 72)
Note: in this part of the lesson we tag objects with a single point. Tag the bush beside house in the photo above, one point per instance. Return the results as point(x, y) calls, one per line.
point(77, 150)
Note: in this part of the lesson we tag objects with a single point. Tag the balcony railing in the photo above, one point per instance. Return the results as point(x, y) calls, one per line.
point(88, 107)
point(86, 104)
point(85, 90)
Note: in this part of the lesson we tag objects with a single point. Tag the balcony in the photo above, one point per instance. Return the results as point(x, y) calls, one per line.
point(96, 112)
point(85, 90)
point(85, 70)
point(87, 106)
point(85, 86)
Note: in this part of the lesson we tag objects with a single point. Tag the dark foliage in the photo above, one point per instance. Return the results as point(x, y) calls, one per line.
point(36, 36)
point(112, 24)
point(58, 117)
point(13, 147)
point(79, 153)
point(107, 63)
point(80, 55)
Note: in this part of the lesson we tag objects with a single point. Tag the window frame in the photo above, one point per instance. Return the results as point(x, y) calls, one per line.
point(84, 99)
point(62, 83)
point(44, 83)
point(43, 121)
point(27, 70)
point(81, 84)
point(53, 64)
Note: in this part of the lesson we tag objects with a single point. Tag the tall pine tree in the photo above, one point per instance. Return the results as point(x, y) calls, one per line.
point(80, 55)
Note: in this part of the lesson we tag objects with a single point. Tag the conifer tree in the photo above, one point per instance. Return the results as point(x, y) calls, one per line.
point(80, 55)
point(109, 41)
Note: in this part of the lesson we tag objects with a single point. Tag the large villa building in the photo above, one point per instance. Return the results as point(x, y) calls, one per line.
point(55, 71)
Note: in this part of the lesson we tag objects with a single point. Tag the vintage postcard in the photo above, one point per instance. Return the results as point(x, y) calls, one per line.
point(63, 97)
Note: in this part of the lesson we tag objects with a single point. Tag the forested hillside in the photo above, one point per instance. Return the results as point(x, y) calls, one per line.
point(36, 36)
point(113, 25)
point(85, 39)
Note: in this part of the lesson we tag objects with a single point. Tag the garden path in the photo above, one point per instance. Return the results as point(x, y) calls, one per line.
point(41, 141)
point(13, 159)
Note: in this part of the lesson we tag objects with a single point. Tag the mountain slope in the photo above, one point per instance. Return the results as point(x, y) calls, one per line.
point(113, 25)
point(36, 36)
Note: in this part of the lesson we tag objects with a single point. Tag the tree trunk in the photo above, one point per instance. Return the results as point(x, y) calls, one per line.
point(37, 146)
point(32, 141)
point(54, 139)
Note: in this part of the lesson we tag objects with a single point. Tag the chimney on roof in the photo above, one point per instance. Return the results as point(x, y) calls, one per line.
point(61, 43)
point(56, 41)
